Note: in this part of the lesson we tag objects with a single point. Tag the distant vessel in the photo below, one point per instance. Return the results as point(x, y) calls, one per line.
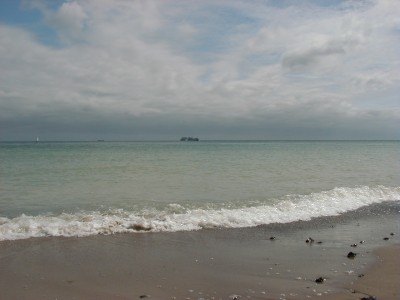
point(189, 139)
point(37, 140)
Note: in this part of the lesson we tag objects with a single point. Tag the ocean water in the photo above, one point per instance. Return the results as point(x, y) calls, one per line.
point(80, 189)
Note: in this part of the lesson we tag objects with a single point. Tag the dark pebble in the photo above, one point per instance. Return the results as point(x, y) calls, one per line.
point(368, 298)
point(385, 238)
point(309, 240)
point(351, 255)
point(139, 227)
point(392, 233)
point(320, 280)
point(144, 296)
point(362, 242)
point(272, 238)
point(353, 245)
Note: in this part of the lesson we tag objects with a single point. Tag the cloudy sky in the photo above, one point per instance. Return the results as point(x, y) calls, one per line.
point(262, 69)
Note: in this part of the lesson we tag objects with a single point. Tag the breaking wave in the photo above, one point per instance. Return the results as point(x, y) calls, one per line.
point(178, 218)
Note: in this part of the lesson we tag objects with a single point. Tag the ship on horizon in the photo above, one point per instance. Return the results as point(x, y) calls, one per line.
point(189, 139)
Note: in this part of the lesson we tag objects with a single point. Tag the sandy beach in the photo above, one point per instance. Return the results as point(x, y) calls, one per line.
point(212, 264)
point(381, 280)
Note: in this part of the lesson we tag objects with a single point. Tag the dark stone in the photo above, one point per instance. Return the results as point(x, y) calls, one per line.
point(310, 240)
point(319, 242)
point(368, 298)
point(361, 275)
point(272, 238)
point(144, 296)
point(353, 245)
point(351, 255)
point(320, 280)
point(139, 227)
point(392, 233)
point(362, 242)
point(385, 238)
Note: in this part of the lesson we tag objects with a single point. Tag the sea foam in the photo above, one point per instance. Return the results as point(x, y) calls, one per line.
point(178, 218)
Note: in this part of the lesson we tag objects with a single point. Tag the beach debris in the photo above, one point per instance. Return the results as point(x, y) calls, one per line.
point(234, 297)
point(320, 280)
point(349, 272)
point(139, 227)
point(353, 245)
point(351, 255)
point(385, 238)
point(310, 240)
point(272, 238)
point(144, 296)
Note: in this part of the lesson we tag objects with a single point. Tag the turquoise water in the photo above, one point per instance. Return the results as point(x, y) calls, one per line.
point(193, 184)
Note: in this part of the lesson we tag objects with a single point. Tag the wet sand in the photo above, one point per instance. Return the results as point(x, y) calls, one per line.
point(212, 263)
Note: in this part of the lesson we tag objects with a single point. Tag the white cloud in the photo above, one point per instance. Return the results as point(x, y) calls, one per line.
point(69, 20)
point(121, 63)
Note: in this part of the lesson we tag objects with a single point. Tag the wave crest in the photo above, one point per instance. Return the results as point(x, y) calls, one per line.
point(177, 218)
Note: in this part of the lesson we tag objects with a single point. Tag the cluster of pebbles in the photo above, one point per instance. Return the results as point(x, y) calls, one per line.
point(319, 280)
point(350, 255)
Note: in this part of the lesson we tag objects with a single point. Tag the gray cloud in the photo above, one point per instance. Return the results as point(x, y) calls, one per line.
point(119, 70)
point(313, 55)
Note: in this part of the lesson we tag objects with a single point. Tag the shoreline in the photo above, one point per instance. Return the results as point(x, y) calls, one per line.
point(212, 263)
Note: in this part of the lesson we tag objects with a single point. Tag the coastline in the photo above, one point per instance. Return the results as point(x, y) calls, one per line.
point(212, 263)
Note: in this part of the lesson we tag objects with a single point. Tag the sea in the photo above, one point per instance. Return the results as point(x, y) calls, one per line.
point(77, 189)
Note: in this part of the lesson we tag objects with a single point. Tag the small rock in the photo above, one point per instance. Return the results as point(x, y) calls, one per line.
point(392, 233)
point(362, 242)
point(353, 245)
point(144, 296)
point(351, 255)
point(320, 280)
point(139, 227)
point(234, 297)
point(310, 240)
point(361, 276)
point(385, 238)
point(319, 242)
point(368, 298)
point(272, 238)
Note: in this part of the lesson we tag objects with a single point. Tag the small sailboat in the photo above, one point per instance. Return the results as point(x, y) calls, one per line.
point(37, 140)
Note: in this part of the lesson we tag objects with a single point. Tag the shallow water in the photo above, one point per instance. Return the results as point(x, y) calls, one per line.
point(76, 189)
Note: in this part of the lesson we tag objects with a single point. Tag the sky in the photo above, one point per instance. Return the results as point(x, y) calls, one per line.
point(238, 69)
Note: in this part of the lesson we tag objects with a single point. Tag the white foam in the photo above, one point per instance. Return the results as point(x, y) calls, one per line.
point(288, 209)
